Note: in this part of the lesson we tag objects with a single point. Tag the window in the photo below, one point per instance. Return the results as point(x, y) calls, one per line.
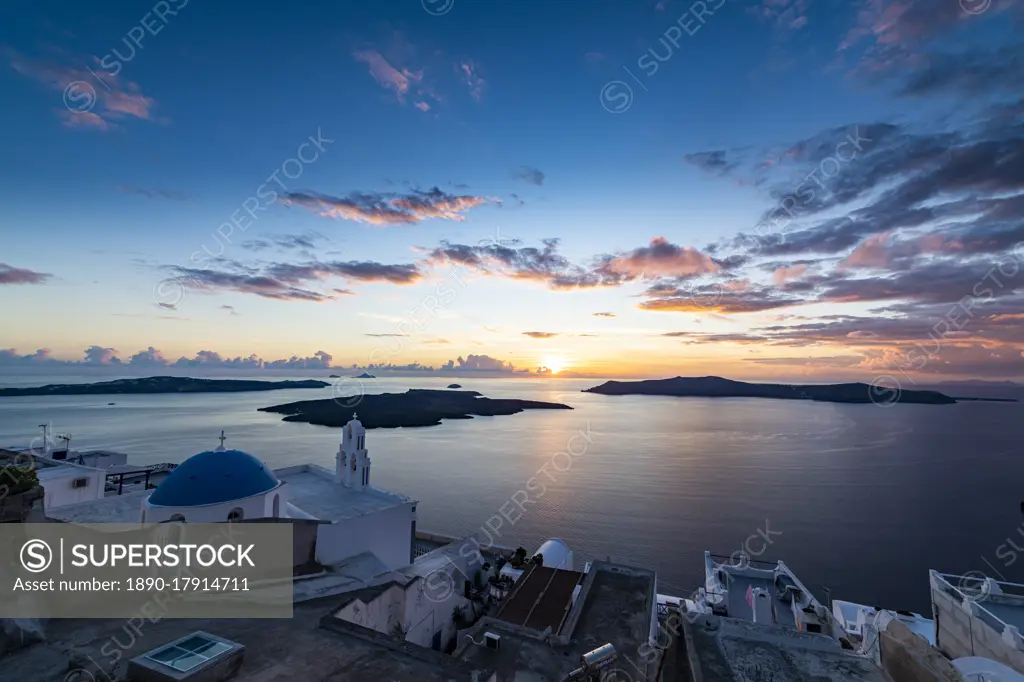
point(80, 483)
point(189, 653)
point(236, 514)
point(277, 506)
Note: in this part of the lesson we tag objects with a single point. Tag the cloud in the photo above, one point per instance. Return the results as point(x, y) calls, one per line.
point(83, 119)
point(259, 285)
point(479, 363)
point(784, 274)
point(540, 335)
point(287, 242)
point(93, 97)
point(659, 258)
point(230, 308)
point(10, 357)
point(97, 355)
point(289, 281)
point(884, 24)
point(714, 162)
point(356, 271)
point(12, 275)
point(515, 262)
point(469, 72)
point(150, 357)
point(784, 14)
point(152, 193)
point(603, 314)
point(319, 360)
point(714, 297)
point(387, 335)
point(422, 106)
point(975, 72)
point(386, 75)
point(387, 208)
point(529, 175)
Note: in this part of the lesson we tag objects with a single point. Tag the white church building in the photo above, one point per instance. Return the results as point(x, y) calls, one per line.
point(232, 485)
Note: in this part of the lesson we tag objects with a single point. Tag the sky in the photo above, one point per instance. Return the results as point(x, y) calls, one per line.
point(760, 189)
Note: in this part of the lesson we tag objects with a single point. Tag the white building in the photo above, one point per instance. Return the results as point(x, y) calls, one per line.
point(417, 602)
point(224, 484)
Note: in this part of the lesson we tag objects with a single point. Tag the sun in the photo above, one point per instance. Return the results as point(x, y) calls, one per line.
point(555, 363)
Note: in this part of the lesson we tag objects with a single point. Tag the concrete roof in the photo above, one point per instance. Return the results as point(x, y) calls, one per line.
point(275, 650)
point(125, 508)
point(541, 598)
point(312, 489)
point(727, 649)
point(614, 607)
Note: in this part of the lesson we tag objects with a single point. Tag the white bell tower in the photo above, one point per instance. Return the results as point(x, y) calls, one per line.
point(352, 463)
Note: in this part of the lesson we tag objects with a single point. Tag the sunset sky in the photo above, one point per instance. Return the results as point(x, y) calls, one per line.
point(789, 189)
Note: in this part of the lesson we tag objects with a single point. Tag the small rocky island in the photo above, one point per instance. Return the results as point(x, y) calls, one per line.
point(162, 385)
point(454, 385)
point(365, 375)
point(415, 407)
point(717, 387)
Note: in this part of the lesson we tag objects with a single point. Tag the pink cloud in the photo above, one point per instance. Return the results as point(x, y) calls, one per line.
point(386, 75)
point(469, 71)
point(82, 119)
point(422, 106)
point(785, 274)
point(91, 95)
point(129, 103)
point(662, 258)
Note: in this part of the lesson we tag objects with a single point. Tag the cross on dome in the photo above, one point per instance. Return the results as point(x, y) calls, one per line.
point(223, 438)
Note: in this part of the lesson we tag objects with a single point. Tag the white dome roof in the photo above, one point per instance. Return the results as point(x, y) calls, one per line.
point(556, 554)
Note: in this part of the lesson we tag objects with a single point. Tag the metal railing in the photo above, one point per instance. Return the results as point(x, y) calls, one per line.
point(118, 478)
point(983, 614)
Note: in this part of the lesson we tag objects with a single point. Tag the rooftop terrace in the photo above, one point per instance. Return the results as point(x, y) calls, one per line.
point(615, 606)
point(541, 598)
point(727, 650)
point(126, 508)
point(275, 650)
point(312, 489)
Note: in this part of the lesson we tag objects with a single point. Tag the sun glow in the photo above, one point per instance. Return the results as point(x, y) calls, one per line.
point(555, 363)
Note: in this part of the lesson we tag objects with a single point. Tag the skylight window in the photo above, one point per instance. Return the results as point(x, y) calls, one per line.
point(189, 653)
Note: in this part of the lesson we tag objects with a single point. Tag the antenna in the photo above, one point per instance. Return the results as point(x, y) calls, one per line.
point(46, 443)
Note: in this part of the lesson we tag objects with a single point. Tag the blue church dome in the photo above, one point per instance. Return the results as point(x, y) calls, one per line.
point(212, 477)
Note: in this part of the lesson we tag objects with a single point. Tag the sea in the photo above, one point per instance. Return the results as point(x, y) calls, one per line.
point(860, 501)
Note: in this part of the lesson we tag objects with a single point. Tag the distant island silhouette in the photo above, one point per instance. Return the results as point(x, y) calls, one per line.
point(717, 387)
point(415, 407)
point(365, 375)
point(162, 385)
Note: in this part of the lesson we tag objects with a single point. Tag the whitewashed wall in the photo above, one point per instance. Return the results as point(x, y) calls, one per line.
point(387, 533)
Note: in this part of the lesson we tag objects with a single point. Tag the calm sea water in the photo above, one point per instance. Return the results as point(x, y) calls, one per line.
point(857, 498)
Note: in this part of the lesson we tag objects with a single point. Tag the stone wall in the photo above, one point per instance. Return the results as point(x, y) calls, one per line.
point(960, 631)
point(908, 658)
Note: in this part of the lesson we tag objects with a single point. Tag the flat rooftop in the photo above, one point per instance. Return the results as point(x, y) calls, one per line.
point(312, 489)
point(727, 649)
point(125, 508)
point(542, 598)
point(275, 650)
point(614, 606)
point(19, 458)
